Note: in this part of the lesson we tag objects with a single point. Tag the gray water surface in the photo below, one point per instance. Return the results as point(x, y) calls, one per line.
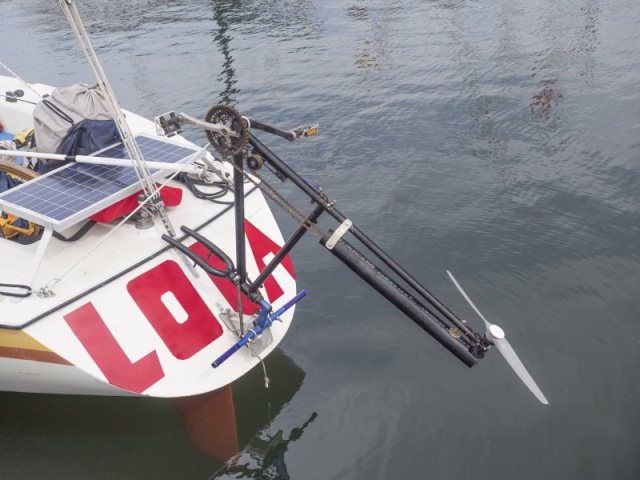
point(498, 140)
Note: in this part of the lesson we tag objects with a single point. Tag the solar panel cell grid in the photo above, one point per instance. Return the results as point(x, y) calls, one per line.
point(76, 191)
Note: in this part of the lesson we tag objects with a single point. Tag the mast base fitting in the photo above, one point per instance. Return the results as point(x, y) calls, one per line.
point(144, 220)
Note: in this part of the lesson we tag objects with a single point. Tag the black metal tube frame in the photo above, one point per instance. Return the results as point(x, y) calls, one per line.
point(285, 249)
point(289, 173)
point(405, 302)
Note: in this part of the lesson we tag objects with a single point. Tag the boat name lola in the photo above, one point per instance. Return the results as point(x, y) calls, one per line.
point(174, 308)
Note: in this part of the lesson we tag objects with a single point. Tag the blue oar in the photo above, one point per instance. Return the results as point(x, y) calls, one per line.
point(264, 320)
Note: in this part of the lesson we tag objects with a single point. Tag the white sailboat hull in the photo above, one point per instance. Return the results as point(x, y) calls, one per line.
point(128, 315)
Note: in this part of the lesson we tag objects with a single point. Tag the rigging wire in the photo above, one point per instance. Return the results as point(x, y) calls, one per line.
point(142, 171)
point(20, 79)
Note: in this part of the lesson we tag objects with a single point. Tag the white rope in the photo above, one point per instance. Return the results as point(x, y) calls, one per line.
point(264, 372)
point(20, 79)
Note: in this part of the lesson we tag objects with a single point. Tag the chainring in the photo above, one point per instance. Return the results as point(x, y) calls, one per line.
point(234, 136)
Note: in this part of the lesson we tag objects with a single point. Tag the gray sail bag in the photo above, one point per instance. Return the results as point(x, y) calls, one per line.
point(57, 113)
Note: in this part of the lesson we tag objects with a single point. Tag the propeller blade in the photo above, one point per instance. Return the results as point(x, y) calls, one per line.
point(466, 297)
point(513, 360)
point(496, 335)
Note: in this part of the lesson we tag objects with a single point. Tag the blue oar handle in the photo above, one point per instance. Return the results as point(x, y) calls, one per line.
point(288, 305)
point(254, 332)
point(241, 343)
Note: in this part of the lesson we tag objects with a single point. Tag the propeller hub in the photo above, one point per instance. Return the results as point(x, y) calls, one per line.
point(496, 332)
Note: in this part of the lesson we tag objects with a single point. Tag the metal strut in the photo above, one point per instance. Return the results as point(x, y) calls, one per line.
point(266, 316)
point(469, 349)
point(224, 130)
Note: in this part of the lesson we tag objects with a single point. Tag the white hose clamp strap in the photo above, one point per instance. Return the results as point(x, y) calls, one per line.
point(338, 234)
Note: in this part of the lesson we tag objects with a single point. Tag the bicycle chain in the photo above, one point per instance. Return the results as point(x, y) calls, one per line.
point(280, 201)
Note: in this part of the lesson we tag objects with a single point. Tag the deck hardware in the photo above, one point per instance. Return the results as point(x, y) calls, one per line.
point(338, 234)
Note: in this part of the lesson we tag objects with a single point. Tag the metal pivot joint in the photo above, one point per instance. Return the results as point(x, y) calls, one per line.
point(265, 319)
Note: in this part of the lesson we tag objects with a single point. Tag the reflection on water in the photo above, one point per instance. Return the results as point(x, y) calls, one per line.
point(567, 41)
point(373, 51)
point(263, 458)
point(262, 453)
point(144, 436)
point(282, 18)
point(222, 12)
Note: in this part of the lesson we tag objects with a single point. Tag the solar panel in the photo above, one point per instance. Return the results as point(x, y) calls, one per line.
point(76, 191)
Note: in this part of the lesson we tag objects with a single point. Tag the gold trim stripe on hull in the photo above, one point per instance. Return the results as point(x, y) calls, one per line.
point(21, 346)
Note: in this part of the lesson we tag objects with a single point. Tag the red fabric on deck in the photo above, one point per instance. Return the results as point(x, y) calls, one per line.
point(171, 196)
